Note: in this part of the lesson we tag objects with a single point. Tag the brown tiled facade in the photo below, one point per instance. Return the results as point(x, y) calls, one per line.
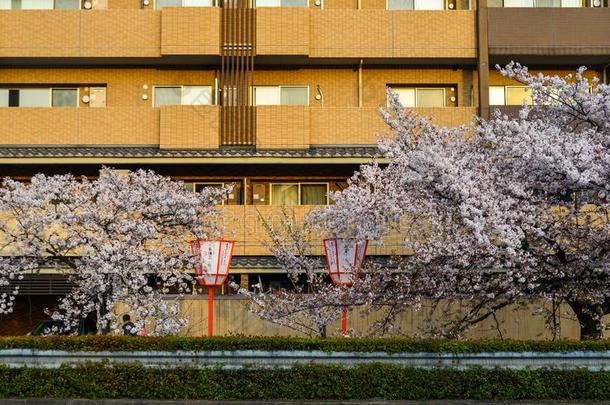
point(339, 55)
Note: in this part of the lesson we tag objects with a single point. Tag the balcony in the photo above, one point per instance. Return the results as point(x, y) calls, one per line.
point(195, 31)
point(190, 31)
point(393, 34)
point(79, 126)
point(362, 126)
point(298, 127)
point(197, 127)
point(79, 33)
point(283, 127)
point(245, 225)
point(189, 127)
point(545, 32)
point(116, 33)
point(282, 31)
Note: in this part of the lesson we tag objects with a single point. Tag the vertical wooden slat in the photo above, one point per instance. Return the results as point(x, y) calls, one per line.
point(237, 65)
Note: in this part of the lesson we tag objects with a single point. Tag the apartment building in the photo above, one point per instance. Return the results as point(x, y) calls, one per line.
point(278, 97)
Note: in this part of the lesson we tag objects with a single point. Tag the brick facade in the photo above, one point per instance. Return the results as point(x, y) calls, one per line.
point(344, 51)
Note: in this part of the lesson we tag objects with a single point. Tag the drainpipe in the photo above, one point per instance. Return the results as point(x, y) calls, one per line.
point(483, 58)
point(360, 103)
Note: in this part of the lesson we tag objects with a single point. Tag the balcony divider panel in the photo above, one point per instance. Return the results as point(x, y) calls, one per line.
point(238, 48)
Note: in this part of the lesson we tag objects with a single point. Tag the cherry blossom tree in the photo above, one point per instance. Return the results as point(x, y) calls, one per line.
point(507, 209)
point(121, 239)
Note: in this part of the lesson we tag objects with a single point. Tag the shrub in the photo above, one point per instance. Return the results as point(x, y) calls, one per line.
point(388, 345)
point(303, 382)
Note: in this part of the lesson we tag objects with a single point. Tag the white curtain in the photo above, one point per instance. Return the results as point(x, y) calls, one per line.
point(400, 5)
point(37, 4)
point(406, 96)
point(496, 95)
point(518, 3)
point(429, 4)
point(294, 96)
point(430, 97)
point(3, 97)
point(284, 194)
point(197, 95)
point(168, 96)
point(34, 98)
point(266, 95)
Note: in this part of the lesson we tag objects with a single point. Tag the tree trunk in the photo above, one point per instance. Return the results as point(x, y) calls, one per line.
point(589, 318)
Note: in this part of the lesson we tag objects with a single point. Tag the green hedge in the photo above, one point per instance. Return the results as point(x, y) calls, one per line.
point(389, 345)
point(305, 382)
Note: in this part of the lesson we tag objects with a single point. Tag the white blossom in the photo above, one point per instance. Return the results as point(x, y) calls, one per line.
point(120, 239)
point(508, 208)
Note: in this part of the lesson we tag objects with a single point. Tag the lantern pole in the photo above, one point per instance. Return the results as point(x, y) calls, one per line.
point(358, 259)
point(213, 271)
point(210, 311)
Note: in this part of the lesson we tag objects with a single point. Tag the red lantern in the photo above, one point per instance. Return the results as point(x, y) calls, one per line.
point(344, 258)
point(212, 262)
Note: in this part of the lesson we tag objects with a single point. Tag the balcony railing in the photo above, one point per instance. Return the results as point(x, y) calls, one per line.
point(79, 33)
point(197, 127)
point(549, 31)
point(246, 225)
point(388, 34)
point(79, 126)
point(331, 33)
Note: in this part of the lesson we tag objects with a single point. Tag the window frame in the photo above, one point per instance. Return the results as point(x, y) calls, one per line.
point(506, 87)
point(214, 4)
point(64, 88)
point(49, 96)
point(80, 7)
point(445, 7)
point(444, 89)
point(583, 4)
point(279, 90)
point(222, 184)
point(299, 184)
point(207, 183)
point(182, 86)
point(280, 5)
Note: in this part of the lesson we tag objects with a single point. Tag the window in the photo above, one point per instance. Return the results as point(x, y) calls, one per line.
point(509, 95)
point(233, 198)
point(314, 194)
point(64, 98)
point(497, 95)
point(67, 4)
point(518, 3)
point(198, 187)
point(281, 95)
point(421, 97)
point(182, 95)
point(33, 98)
point(415, 4)
point(183, 3)
point(281, 3)
point(430, 97)
point(537, 3)
point(3, 97)
point(299, 194)
point(39, 4)
point(41, 97)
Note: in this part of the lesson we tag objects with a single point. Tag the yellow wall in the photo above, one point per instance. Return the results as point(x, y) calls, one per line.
point(231, 316)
